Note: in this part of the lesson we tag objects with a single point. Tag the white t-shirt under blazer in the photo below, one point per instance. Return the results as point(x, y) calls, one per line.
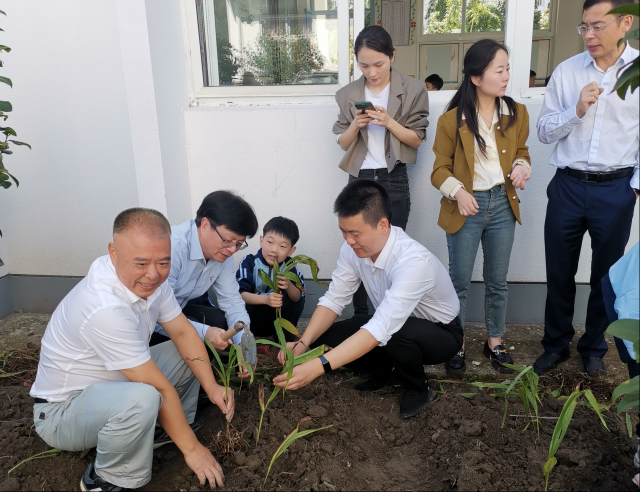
point(375, 134)
point(98, 329)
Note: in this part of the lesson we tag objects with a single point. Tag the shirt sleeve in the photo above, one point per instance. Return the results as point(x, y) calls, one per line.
point(558, 115)
point(410, 281)
point(244, 275)
point(344, 283)
point(114, 335)
point(229, 299)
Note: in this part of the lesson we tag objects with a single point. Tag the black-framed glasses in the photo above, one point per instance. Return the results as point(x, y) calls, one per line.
point(582, 30)
point(227, 243)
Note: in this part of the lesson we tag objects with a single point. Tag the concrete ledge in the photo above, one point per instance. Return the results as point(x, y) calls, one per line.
point(41, 294)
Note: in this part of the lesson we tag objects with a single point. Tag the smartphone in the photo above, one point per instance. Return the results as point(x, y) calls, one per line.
point(364, 106)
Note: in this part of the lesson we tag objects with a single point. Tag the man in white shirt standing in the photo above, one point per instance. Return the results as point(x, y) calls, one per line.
point(415, 322)
point(202, 257)
point(100, 385)
point(596, 185)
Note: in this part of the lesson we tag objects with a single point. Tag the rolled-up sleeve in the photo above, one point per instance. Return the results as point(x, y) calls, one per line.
point(344, 283)
point(410, 282)
point(558, 116)
point(229, 298)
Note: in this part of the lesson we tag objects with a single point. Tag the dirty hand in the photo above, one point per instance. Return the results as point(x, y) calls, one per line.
point(213, 334)
point(361, 120)
point(588, 96)
point(205, 466)
point(519, 176)
point(467, 205)
point(283, 283)
point(274, 300)
point(223, 399)
point(302, 375)
point(382, 116)
point(297, 347)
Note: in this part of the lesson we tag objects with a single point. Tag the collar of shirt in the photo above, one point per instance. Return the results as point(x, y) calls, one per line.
point(625, 57)
point(383, 257)
point(195, 249)
point(133, 298)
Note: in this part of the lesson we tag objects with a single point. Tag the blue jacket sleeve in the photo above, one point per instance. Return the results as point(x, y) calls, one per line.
point(244, 275)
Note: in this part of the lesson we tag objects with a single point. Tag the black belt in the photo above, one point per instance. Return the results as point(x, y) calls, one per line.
point(588, 177)
point(40, 400)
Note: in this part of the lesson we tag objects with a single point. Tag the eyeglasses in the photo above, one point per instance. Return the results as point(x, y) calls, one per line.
point(582, 30)
point(227, 243)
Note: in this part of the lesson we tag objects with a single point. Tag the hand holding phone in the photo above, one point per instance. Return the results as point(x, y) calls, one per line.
point(364, 106)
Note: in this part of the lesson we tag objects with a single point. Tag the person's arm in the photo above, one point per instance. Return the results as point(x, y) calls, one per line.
point(272, 299)
point(405, 135)
point(521, 167)
point(174, 422)
point(351, 133)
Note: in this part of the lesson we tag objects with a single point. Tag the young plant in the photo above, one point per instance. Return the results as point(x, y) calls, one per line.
point(524, 386)
point(563, 424)
point(49, 453)
point(627, 329)
point(290, 438)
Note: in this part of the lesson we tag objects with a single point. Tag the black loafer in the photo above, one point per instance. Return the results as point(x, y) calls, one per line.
point(161, 437)
point(414, 402)
point(594, 366)
point(457, 364)
point(498, 356)
point(90, 481)
point(373, 384)
point(550, 360)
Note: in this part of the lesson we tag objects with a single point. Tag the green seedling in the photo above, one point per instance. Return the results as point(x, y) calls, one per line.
point(627, 329)
point(524, 386)
point(563, 424)
point(45, 454)
point(290, 438)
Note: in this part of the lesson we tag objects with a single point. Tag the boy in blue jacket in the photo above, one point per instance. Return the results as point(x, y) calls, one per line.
point(277, 244)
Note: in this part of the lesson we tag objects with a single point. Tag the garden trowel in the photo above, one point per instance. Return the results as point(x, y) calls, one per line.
point(247, 342)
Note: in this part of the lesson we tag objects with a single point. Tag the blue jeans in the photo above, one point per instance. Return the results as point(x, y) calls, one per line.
point(494, 225)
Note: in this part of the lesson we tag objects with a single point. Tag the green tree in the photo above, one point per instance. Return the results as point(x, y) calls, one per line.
point(541, 19)
point(483, 17)
point(443, 16)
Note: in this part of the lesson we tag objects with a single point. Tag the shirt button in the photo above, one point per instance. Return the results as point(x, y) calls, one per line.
point(513, 197)
point(498, 128)
point(504, 151)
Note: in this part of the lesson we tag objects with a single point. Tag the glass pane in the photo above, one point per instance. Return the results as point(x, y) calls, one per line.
point(440, 59)
point(541, 15)
point(269, 42)
point(539, 62)
point(442, 16)
point(484, 15)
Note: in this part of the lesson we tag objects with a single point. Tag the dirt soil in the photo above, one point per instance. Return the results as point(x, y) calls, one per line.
point(456, 443)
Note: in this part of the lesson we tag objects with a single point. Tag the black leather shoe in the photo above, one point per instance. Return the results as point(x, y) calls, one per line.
point(372, 384)
point(550, 360)
point(414, 402)
point(457, 364)
point(594, 366)
point(90, 481)
point(498, 356)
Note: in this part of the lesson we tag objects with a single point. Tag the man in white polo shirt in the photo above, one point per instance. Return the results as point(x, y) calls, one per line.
point(98, 382)
point(416, 319)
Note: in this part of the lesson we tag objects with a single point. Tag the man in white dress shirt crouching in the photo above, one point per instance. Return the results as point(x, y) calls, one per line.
point(416, 319)
point(98, 382)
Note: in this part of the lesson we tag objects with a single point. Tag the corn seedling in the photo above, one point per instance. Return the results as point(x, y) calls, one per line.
point(45, 454)
point(290, 438)
point(524, 386)
point(627, 329)
point(563, 424)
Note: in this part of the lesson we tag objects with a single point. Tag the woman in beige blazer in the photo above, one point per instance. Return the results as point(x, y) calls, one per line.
point(481, 158)
point(379, 143)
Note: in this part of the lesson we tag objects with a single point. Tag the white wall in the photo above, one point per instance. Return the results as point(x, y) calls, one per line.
point(284, 160)
point(69, 103)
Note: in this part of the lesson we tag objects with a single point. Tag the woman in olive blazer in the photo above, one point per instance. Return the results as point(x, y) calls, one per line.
point(481, 158)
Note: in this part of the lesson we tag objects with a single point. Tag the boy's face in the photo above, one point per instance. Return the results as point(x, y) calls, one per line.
point(275, 247)
point(430, 87)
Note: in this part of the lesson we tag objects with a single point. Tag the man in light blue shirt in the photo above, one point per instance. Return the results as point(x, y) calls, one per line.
point(202, 257)
point(596, 185)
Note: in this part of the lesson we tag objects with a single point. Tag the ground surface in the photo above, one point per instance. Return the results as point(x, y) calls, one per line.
point(457, 443)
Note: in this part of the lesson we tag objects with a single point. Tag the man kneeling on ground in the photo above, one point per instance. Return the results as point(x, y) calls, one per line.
point(98, 382)
point(415, 322)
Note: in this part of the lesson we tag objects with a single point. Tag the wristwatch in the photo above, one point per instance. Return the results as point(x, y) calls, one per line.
point(325, 364)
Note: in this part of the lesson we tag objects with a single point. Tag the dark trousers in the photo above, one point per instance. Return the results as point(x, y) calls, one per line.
point(417, 343)
point(609, 298)
point(605, 211)
point(262, 318)
point(396, 183)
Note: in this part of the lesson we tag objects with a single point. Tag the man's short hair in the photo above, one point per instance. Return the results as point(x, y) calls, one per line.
point(532, 73)
point(364, 197)
point(614, 3)
point(148, 219)
point(225, 208)
point(284, 227)
point(435, 80)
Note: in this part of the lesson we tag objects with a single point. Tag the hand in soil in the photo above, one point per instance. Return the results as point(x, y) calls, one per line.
point(296, 347)
point(205, 466)
point(223, 399)
point(214, 336)
point(302, 375)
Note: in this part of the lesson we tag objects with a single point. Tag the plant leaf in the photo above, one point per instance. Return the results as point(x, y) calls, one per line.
point(631, 35)
point(625, 329)
point(310, 355)
point(287, 325)
point(6, 80)
point(629, 426)
point(629, 401)
point(5, 184)
point(546, 470)
point(595, 405)
point(468, 395)
point(15, 180)
point(7, 130)
point(630, 9)
point(5, 106)
point(624, 388)
point(265, 279)
point(20, 143)
point(563, 422)
point(3, 47)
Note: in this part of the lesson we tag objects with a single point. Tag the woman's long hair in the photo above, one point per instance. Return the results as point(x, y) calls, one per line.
point(478, 58)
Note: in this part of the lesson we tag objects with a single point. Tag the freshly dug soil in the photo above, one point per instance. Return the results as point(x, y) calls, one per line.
point(456, 443)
